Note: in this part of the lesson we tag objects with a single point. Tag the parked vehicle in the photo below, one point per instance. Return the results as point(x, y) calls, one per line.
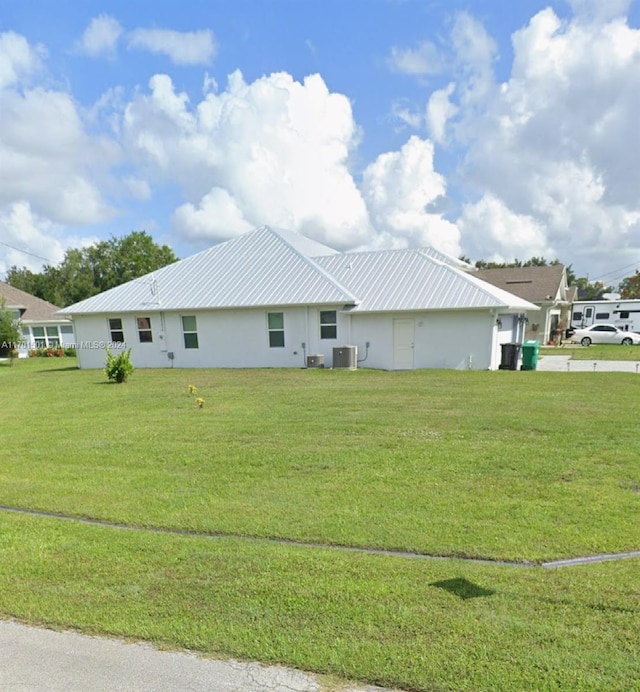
point(604, 334)
point(623, 314)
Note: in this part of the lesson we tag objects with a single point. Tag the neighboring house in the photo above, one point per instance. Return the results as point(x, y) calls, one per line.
point(545, 287)
point(38, 320)
point(273, 298)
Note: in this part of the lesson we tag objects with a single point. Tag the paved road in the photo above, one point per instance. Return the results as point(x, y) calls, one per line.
point(565, 364)
point(37, 659)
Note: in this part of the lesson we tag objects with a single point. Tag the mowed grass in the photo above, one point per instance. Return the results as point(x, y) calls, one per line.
point(503, 465)
point(593, 352)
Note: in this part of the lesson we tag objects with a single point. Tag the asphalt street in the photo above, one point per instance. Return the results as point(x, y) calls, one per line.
point(38, 659)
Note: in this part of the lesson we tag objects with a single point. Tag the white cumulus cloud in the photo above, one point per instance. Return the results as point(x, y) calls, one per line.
point(399, 187)
point(549, 154)
point(440, 109)
point(490, 223)
point(182, 47)
point(23, 229)
point(53, 173)
point(424, 59)
point(271, 152)
point(17, 58)
point(100, 38)
point(45, 154)
point(276, 151)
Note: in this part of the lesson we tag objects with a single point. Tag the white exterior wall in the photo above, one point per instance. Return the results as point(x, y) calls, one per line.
point(239, 339)
point(458, 340)
point(226, 339)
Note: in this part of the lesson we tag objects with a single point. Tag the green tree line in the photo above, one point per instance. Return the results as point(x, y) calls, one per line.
point(85, 272)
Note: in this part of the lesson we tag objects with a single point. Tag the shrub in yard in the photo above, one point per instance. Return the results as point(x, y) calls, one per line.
point(69, 351)
point(118, 368)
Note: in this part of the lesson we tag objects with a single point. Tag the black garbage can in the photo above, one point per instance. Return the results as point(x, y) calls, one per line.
point(510, 357)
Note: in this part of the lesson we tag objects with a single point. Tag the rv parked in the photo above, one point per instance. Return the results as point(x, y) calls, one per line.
point(624, 314)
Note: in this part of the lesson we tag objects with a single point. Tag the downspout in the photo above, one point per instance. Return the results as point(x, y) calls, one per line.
point(306, 336)
point(495, 356)
point(164, 346)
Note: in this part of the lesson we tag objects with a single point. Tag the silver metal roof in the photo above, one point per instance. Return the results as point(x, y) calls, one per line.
point(268, 267)
point(263, 267)
point(391, 280)
point(447, 259)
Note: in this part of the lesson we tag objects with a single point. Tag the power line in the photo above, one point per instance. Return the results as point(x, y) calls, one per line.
point(621, 269)
point(26, 252)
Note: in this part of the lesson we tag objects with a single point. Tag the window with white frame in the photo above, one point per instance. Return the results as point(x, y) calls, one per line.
point(328, 324)
point(145, 336)
point(190, 331)
point(39, 338)
point(44, 337)
point(116, 332)
point(275, 326)
point(53, 336)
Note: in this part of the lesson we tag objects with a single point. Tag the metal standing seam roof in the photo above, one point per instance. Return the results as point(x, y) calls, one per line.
point(391, 280)
point(260, 268)
point(447, 259)
point(268, 267)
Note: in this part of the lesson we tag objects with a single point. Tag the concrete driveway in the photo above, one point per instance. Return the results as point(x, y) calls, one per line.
point(33, 658)
point(566, 364)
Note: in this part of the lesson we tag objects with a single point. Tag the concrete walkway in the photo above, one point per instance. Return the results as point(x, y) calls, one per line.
point(566, 364)
point(37, 659)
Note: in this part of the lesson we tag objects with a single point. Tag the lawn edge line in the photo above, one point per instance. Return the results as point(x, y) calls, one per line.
point(549, 564)
point(262, 539)
point(589, 559)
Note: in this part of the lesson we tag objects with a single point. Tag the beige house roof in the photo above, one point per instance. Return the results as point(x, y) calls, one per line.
point(31, 309)
point(536, 284)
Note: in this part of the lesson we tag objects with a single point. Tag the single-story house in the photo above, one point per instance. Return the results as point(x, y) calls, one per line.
point(38, 320)
point(274, 298)
point(545, 287)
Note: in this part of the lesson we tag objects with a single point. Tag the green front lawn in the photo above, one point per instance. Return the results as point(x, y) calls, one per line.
point(496, 465)
point(593, 352)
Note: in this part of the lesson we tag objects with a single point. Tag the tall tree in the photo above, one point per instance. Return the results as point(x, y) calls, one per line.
point(588, 290)
point(630, 287)
point(86, 271)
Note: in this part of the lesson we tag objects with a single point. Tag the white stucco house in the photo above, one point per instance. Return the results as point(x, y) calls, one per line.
point(273, 298)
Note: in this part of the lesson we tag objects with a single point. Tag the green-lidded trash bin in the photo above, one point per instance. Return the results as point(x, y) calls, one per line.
point(530, 353)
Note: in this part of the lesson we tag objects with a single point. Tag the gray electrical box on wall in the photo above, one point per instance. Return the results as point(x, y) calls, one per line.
point(345, 357)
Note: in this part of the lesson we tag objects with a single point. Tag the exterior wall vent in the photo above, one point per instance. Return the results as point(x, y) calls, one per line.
point(345, 357)
point(315, 360)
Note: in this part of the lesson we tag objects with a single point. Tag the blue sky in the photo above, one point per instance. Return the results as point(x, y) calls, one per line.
point(494, 129)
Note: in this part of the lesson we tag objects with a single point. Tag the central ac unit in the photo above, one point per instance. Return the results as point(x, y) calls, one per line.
point(345, 357)
point(315, 360)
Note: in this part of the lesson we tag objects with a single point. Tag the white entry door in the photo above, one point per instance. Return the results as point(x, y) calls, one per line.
point(403, 341)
